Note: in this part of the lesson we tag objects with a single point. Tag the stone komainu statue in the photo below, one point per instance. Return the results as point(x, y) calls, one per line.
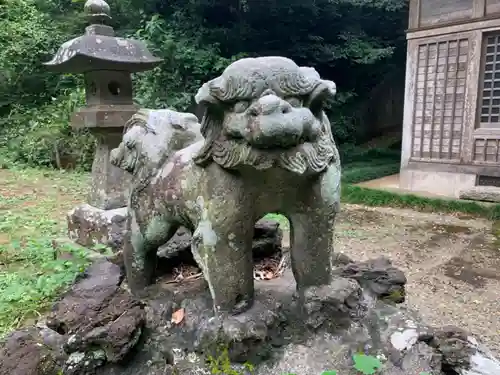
point(266, 147)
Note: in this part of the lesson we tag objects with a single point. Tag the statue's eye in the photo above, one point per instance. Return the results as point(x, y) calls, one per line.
point(241, 106)
point(130, 144)
point(294, 101)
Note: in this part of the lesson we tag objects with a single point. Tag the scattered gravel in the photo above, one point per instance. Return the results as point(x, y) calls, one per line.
point(452, 263)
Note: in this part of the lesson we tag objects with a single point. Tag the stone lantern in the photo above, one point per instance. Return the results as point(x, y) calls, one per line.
point(107, 62)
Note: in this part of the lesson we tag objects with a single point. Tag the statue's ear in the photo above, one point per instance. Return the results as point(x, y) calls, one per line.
point(204, 96)
point(323, 92)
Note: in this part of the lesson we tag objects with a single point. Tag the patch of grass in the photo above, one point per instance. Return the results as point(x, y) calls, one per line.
point(380, 198)
point(368, 155)
point(369, 172)
point(281, 219)
point(34, 268)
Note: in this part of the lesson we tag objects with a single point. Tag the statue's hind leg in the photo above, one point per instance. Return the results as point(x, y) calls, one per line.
point(140, 249)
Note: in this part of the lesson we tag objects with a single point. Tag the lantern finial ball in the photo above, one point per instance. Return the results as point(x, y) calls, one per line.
point(97, 10)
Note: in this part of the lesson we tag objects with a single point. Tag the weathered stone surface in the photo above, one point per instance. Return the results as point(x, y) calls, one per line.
point(482, 193)
point(109, 184)
point(89, 226)
point(264, 145)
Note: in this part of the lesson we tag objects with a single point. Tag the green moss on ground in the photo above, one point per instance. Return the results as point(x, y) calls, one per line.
point(34, 267)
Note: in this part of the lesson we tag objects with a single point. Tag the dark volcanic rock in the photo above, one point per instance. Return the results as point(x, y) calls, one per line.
point(104, 331)
point(377, 276)
point(26, 353)
point(266, 240)
point(100, 320)
point(181, 241)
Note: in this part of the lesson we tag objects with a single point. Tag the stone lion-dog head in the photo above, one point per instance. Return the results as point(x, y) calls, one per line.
point(151, 136)
point(266, 112)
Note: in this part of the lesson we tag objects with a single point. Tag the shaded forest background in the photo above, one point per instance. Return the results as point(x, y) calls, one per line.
point(359, 44)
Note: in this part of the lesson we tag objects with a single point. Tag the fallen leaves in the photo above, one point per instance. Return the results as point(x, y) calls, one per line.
point(184, 273)
point(270, 268)
point(264, 269)
point(178, 316)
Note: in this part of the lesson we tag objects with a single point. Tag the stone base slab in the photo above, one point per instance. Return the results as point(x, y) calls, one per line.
point(482, 193)
point(89, 226)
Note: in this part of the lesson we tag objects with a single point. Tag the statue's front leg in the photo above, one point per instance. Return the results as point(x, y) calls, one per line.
point(312, 233)
point(311, 241)
point(222, 247)
point(140, 250)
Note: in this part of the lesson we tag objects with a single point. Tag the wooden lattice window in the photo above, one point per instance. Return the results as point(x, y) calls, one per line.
point(487, 150)
point(440, 86)
point(490, 83)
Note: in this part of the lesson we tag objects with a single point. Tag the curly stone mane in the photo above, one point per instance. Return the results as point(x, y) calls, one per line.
point(285, 78)
point(140, 118)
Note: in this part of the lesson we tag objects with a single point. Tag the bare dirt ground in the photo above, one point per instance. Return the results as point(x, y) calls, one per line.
point(452, 263)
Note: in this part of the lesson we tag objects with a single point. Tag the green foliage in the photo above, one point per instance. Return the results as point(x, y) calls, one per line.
point(29, 37)
point(367, 172)
point(187, 64)
point(42, 136)
point(353, 42)
point(221, 365)
point(26, 291)
point(350, 154)
point(366, 364)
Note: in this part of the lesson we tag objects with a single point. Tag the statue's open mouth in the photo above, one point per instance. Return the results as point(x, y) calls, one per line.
point(124, 160)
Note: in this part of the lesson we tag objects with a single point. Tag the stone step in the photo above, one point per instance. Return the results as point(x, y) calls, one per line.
point(482, 193)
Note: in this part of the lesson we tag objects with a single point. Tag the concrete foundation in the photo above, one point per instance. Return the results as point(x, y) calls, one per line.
point(446, 184)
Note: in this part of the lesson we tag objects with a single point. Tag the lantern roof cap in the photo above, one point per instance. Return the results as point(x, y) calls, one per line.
point(100, 49)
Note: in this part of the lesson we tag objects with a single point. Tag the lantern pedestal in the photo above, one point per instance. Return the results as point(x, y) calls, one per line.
point(90, 226)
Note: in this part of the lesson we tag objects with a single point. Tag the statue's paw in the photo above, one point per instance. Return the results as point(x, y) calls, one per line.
point(245, 336)
point(337, 302)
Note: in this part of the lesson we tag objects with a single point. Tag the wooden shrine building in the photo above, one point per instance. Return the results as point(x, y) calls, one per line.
point(451, 125)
